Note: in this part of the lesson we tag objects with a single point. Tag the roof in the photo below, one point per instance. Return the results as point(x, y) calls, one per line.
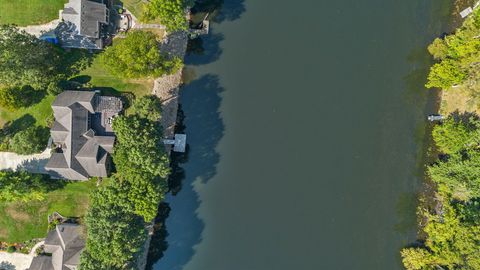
point(66, 244)
point(41, 263)
point(86, 15)
point(83, 148)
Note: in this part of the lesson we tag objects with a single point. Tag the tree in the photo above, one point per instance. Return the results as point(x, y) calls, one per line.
point(456, 133)
point(460, 175)
point(22, 186)
point(138, 55)
point(451, 243)
point(149, 107)
point(172, 13)
point(445, 75)
point(26, 60)
point(30, 141)
point(139, 146)
point(438, 49)
point(13, 98)
point(114, 233)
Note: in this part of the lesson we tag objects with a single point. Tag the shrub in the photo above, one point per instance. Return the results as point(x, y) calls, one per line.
point(11, 249)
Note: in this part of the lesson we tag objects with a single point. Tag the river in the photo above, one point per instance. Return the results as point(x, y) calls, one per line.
point(306, 130)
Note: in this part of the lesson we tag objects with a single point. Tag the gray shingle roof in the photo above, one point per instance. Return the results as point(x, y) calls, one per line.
point(86, 15)
point(65, 243)
point(83, 153)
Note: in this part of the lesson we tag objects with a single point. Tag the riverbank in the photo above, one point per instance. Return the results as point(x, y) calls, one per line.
point(448, 209)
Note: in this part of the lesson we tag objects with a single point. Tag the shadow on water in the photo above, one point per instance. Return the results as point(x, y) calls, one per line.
point(200, 101)
point(206, 49)
point(174, 239)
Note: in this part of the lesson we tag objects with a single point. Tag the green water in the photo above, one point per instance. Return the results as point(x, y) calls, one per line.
point(306, 129)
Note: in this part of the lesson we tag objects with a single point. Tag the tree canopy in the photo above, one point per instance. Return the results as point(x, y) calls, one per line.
point(138, 56)
point(26, 60)
point(171, 13)
point(131, 197)
point(457, 132)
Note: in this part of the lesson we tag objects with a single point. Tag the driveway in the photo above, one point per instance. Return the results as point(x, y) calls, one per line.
point(15, 261)
point(31, 163)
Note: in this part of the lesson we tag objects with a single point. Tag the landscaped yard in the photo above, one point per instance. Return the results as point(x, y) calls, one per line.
point(24, 221)
point(99, 77)
point(29, 12)
point(40, 111)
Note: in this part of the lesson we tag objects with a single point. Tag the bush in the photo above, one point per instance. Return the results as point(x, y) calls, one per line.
point(24, 187)
point(30, 141)
point(11, 249)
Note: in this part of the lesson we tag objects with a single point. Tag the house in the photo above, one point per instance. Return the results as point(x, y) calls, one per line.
point(82, 135)
point(85, 24)
point(65, 243)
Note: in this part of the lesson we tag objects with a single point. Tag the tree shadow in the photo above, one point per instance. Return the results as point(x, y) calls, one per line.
point(204, 50)
point(221, 10)
point(7, 266)
point(405, 208)
point(159, 237)
point(200, 104)
point(22, 123)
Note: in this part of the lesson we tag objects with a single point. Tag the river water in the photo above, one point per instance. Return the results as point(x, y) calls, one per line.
point(306, 129)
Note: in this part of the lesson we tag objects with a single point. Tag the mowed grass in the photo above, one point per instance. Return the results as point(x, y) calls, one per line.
point(20, 222)
point(100, 78)
point(29, 12)
point(40, 111)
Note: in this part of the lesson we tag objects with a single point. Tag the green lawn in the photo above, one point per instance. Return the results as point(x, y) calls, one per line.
point(40, 111)
point(20, 222)
point(99, 77)
point(28, 12)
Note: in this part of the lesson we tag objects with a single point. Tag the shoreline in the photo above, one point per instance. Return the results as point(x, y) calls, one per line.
point(167, 88)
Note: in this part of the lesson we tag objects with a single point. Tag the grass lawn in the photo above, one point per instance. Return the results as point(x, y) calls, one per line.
point(100, 78)
point(40, 111)
point(20, 222)
point(29, 12)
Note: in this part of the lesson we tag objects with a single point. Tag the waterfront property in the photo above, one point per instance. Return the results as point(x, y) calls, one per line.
point(82, 134)
point(65, 244)
point(86, 24)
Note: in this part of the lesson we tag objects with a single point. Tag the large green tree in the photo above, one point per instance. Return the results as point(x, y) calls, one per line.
point(26, 60)
point(451, 243)
point(138, 55)
point(115, 234)
point(456, 133)
point(139, 146)
point(149, 107)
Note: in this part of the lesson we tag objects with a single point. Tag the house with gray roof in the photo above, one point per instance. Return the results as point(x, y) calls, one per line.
point(85, 24)
point(82, 135)
point(65, 244)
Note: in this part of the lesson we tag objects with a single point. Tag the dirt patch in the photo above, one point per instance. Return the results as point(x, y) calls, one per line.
point(17, 214)
point(3, 233)
point(458, 99)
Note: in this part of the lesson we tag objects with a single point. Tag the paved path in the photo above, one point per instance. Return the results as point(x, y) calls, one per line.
point(38, 30)
point(37, 245)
